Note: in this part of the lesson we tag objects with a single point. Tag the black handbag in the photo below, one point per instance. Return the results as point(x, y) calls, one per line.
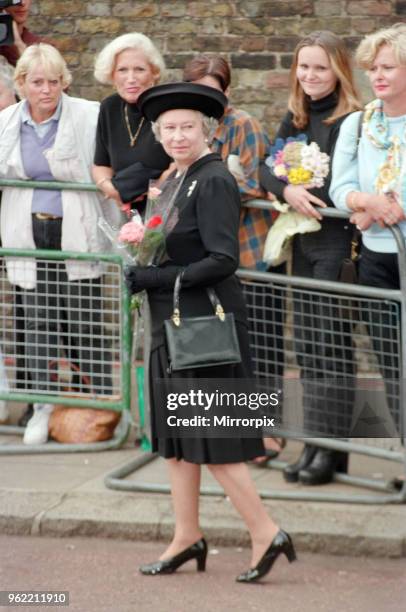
point(201, 342)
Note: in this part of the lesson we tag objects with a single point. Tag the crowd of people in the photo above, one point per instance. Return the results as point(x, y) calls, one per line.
point(147, 130)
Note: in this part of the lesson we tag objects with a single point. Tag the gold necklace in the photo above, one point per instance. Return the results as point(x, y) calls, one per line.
point(133, 139)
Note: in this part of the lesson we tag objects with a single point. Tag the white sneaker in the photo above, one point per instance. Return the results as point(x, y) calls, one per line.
point(36, 431)
point(4, 412)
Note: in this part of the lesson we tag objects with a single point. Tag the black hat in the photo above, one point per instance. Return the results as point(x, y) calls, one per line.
point(156, 100)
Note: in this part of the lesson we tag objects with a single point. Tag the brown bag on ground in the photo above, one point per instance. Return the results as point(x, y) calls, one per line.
point(73, 425)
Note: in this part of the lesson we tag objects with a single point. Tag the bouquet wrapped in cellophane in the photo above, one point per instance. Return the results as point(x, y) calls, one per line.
point(142, 241)
point(294, 162)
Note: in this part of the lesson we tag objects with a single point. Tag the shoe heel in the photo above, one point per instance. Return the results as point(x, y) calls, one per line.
point(290, 554)
point(201, 563)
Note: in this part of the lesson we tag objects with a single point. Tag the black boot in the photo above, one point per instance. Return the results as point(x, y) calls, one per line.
point(321, 470)
point(291, 472)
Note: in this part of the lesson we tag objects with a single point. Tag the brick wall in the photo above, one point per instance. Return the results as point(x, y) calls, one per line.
point(257, 37)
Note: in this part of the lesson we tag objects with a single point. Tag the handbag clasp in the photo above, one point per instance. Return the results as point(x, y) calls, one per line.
point(220, 312)
point(176, 317)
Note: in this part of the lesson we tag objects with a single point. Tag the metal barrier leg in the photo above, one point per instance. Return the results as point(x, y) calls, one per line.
point(115, 480)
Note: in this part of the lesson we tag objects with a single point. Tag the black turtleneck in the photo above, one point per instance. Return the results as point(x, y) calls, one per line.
point(113, 141)
point(316, 131)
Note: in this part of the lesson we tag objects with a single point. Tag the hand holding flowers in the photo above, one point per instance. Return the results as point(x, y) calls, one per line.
point(302, 167)
point(142, 242)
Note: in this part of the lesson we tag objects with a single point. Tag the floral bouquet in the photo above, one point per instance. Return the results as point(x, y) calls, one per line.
point(142, 242)
point(297, 163)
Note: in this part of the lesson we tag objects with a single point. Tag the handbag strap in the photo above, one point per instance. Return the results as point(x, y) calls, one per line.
point(213, 297)
point(359, 134)
point(356, 235)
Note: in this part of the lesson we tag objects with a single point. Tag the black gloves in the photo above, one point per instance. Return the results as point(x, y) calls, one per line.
point(138, 278)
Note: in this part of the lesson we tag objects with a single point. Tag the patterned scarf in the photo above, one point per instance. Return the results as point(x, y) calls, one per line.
point(391, 174)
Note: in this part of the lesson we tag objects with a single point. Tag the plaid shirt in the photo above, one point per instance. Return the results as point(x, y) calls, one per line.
point(241, 135)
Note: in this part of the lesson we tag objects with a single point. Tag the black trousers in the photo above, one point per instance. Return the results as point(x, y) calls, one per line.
point(61, 313)
point(382, 270)
point(322, 337)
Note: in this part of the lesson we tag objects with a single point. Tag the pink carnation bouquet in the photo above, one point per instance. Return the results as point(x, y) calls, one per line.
point(146, 241)
point(142, 242)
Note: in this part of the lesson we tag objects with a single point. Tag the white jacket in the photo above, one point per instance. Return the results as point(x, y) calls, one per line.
point(70, 159)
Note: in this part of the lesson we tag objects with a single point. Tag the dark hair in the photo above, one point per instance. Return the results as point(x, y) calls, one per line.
point(208, 65)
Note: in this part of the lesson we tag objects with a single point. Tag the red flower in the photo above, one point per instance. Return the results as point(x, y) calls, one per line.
point(155, 221)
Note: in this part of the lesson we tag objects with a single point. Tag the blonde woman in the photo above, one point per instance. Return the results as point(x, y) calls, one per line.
point(372, 184)
point(50, 136)
point(322, 95)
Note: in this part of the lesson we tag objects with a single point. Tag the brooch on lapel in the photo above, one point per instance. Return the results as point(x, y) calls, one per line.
point(191, 188)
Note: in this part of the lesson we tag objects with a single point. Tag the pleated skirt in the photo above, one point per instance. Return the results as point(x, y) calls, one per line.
point(201, 450)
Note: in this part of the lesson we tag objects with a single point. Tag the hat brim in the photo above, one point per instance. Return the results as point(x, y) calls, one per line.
point(157, 100)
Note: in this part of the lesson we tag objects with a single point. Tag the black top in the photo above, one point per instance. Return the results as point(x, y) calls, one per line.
point(317, 131)
point(113, 141)
point(205, 243)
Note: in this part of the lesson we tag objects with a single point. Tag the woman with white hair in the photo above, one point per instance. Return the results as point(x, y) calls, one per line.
point(49, 136)
point(127, 155)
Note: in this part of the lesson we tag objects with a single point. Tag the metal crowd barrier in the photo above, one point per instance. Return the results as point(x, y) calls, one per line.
point(82, 359)
point(271, 299)
point(113, 327)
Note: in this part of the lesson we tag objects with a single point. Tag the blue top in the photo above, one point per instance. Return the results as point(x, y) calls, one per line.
point(353, 172)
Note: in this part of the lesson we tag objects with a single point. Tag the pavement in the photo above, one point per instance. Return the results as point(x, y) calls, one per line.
point(317, 582)
point(66, 495)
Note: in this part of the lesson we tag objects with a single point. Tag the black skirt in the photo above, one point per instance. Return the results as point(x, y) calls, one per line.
point(202, 450)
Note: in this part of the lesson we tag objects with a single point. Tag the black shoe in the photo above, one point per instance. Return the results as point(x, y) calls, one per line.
point(321, 470)
point(281, 543)
point(23, 420)
point(197, 551)
point(291, 472)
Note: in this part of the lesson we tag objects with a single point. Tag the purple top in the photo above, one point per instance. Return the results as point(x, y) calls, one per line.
point(36, 167)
